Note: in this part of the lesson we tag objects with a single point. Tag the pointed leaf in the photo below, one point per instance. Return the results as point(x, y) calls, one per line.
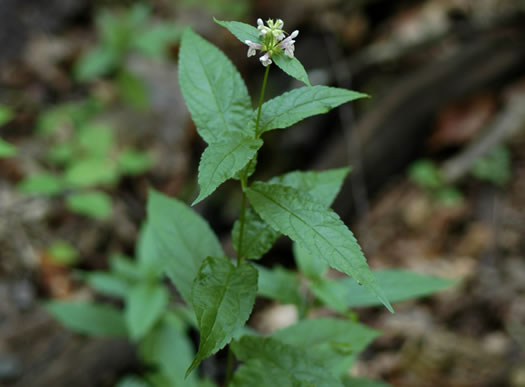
point(223, 296)
point(108, 284)
point(323, 186)
point(334, 342)
point(6, 149)
point(292, 67)
point(87, 318)
point(242, 31)
point(183, 240)
point(297, 104)
point(279, 284)
point(316, 228)
point(42, 183)
point(95, 204)
point(222, 160)
point(213, 89)
point(271, 362)
point(398, 285)
point(144, 305)
point(258, 237)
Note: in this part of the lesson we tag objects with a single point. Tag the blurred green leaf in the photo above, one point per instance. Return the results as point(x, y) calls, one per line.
point(6, 114)
point(155, 41)
point(87, 318)
point(494, 167)
point(145, 304)
point(132, 381)
point(125, 268)
point(95, 204)
point(95, 63)
point(449, 196)
point(96, 139)
point(134, 162)
point(92, 172)
point(6, 149)
point(425, 174)
point(351, 381)
point(133, 90)
point(42, 183)
point(108, 284)
point(279, 284)
point(63, 253)
point(61, 153)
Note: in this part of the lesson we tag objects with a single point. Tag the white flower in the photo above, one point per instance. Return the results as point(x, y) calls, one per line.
point(252, 47)
point(288, 44)
point(265, 59)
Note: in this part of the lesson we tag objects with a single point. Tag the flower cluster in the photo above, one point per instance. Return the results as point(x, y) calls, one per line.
point(273, 41)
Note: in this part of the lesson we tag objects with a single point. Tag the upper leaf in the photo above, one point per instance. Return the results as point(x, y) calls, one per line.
point(292, 67)
point(223, 296)
point(316, 228)
point(87, 318)
point(257, 238)
point(271, 362)
point(323, 186)
point(334, 342)
point(144, 306)
point(242, 31)
point(220, 161)
point(398, 285)
point(297, 104)
point(213, 89)
point(183, 240)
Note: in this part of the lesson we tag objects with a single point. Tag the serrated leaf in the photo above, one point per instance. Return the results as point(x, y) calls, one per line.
point(311, 266)
point(315, 227)
point(169, 349)
point(398, 285)
point(220, 161)
point(94, 204)
point(144, 305)
point(334, 342)
point(271, 362)
point(42, 183)
point(279, 284)
point(292, 67)
point(183, 240)
point(108, 284)
point(213, 89)
point(295, 105)
point(89, 319)
point(323, 186)
point(222, 296)
point(258, 236)
point(7, 149)
point(242, 31)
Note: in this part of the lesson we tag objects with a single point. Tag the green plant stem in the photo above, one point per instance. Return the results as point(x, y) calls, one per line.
point(261, 98)
point(229, 367)
point(244, 177)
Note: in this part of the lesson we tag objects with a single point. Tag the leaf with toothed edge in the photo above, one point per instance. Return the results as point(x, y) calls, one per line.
point(316, 228)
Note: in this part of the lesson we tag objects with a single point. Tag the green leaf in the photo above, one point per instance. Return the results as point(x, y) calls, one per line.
point(398, 285)
point(132, 381)
point(125, 268)
point(213, 89)
point(95, 63)
point(183, 240)
point(146, 250)
point(298, 104)
point(279, 284)
point(133, 162)
point(108, 284)
point(7, 149)
point(220, 161)
point(42, 183)
point(155, 41)
point(6, 114)
point(222, 296)
point(96, 204)
point(292, 67)
point(323, 186)
point(96, 139)
point(258, 236)
point(169, 349)
point(271, 362)
point(242, 31)
point(144, 305)
point(62, 253)
point(425, 174)
point(310, 266)
point(133, 90)
point(334, 342)
point(351, 381)
point(61, 153)
point(316, 228)
point(494, 167)
point(87, 318)
point(91, 172)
